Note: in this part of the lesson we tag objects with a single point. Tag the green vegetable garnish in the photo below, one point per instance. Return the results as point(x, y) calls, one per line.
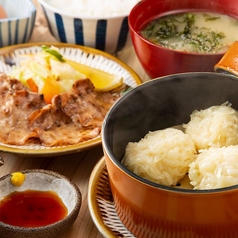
point(126, 90)
point(207, 17)
point(53, 52)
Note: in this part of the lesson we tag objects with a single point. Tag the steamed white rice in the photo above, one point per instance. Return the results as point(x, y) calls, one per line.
point(215, 168)
point(216, 126)
point(162, 156)
point(92, 8)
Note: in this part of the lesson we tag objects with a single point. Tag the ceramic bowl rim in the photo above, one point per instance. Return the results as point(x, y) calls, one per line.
point(76, 208)
point(127, 172)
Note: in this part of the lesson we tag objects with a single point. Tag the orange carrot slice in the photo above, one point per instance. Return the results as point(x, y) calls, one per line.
point(32, 86)
point(50, 89)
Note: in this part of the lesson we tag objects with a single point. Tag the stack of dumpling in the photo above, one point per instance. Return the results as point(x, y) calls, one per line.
point(207, 151)
point(215, 135)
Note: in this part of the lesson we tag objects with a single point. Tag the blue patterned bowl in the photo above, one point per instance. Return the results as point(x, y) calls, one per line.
point(109, 34)
point(18, 26)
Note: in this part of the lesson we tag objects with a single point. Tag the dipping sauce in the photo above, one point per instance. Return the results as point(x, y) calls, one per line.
point(198, 32)
point(32, 208)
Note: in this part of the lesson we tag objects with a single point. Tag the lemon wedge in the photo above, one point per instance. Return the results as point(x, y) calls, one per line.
point(102, 81)
point(17, 178)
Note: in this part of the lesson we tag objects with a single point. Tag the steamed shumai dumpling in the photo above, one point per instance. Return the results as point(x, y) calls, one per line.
point(216, 126)
point(162, 156)
point(215, 168)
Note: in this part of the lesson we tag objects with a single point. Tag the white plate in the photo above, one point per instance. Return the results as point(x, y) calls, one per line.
point(9, 57)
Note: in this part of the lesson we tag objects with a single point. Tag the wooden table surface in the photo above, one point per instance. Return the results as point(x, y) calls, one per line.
point(78, 166)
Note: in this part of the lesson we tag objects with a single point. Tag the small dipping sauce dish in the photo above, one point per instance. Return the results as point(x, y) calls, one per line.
point(49, 204)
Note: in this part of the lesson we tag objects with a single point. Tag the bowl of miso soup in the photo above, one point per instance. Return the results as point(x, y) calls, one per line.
point(171, 36)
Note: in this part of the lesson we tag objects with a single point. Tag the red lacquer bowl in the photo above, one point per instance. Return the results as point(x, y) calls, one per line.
point(158, 61)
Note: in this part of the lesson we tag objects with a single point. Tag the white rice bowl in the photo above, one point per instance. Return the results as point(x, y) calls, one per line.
point(162, 156)
point(216, 126)
point(90, 8)
point(215, 168)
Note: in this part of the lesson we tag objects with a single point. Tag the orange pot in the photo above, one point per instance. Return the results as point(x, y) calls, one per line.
point(152, 210)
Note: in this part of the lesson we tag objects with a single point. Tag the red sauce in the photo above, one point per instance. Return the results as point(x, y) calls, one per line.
point(32, 208)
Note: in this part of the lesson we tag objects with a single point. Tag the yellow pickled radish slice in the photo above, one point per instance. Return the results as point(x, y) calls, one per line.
point(102, 81)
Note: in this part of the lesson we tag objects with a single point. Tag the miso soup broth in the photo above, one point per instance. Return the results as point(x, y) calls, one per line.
point(198, 32)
